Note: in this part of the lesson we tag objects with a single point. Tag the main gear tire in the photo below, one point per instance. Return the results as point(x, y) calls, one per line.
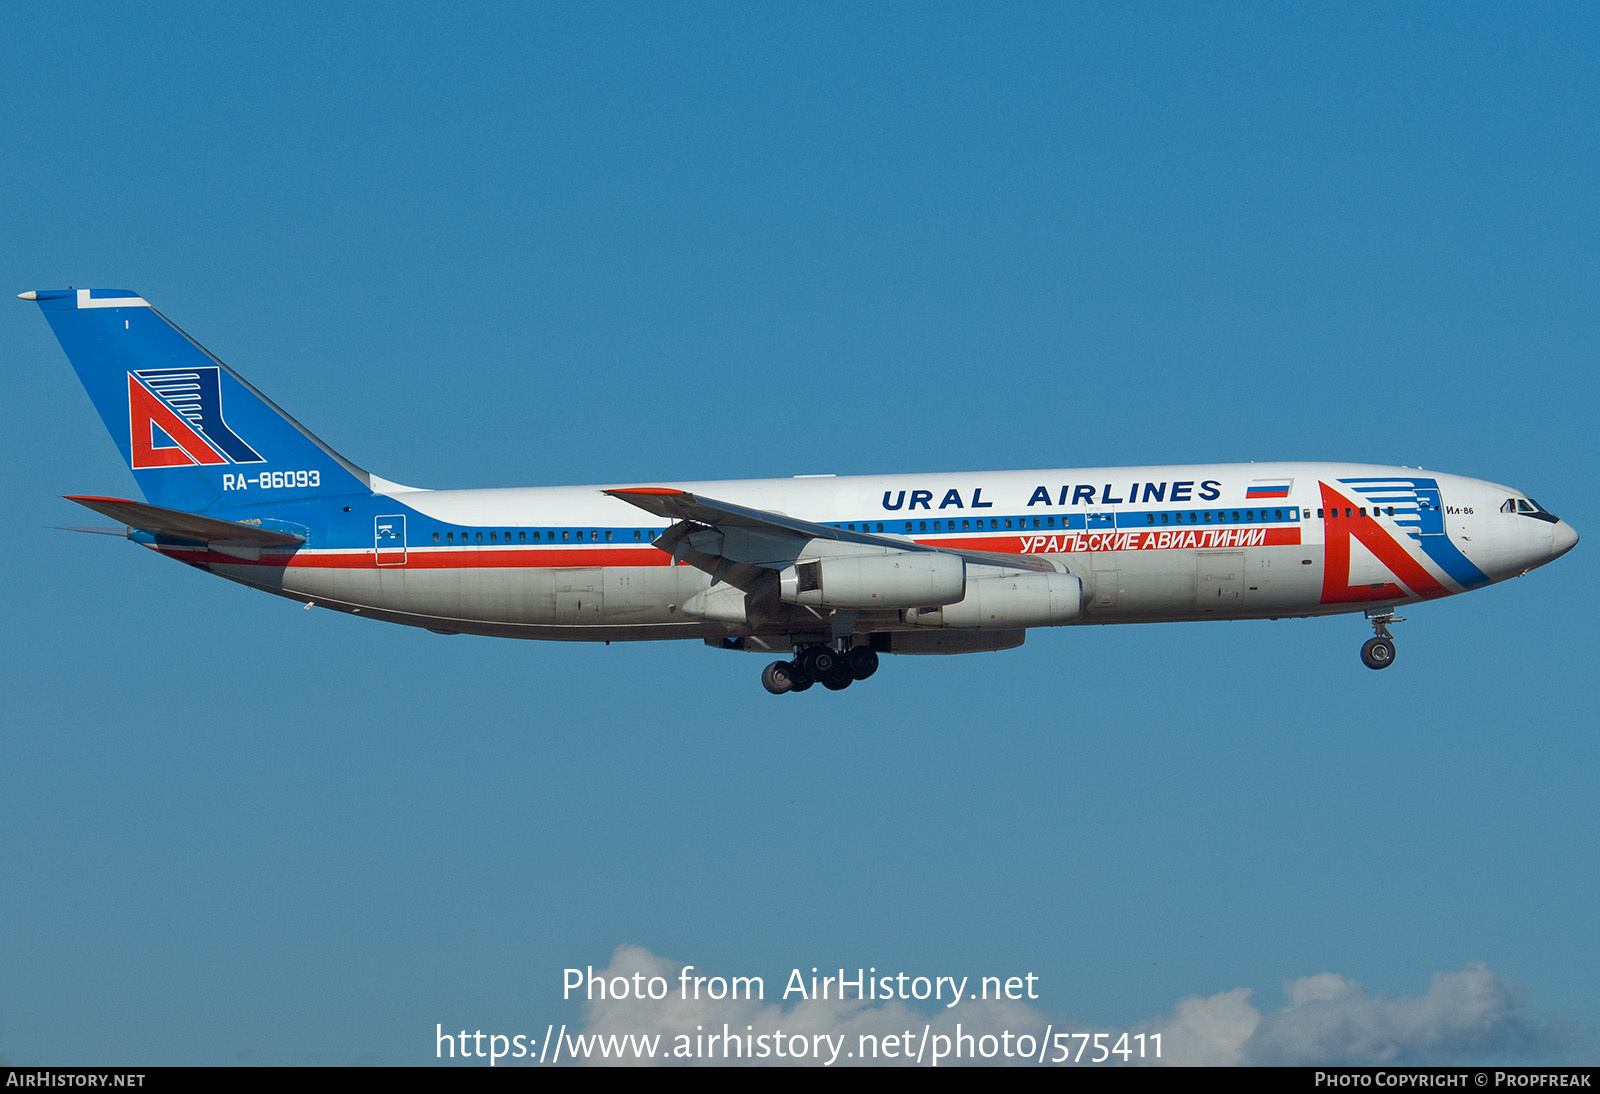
point(862, 661)
point(1377, 653)
point(778, 677)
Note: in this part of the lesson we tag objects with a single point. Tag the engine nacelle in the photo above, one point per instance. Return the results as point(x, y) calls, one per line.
point(902, 579)
point(1008, 601)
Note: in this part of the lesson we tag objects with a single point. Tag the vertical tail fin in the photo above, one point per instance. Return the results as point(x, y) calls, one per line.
point(192, 430)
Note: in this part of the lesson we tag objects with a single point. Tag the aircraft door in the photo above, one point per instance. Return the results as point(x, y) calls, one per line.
point(1430, 511)
point(1106, 581)
point(389, 540)
point(580, 595)
point(1219, 581)
point(1100, 524)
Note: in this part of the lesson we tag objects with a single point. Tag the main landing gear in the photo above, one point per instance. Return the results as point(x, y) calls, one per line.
point(834, 669)
point(1378, 652)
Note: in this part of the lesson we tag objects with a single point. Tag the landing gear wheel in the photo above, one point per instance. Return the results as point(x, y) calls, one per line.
point(817, 662)
point(801, 682)
point(778, 677)
point(862, 661)
point(1377, 653)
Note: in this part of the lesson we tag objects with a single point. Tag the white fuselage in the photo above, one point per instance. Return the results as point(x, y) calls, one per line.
point(1146, 543)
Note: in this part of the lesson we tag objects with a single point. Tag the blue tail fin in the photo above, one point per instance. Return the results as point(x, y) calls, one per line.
point(194, 433)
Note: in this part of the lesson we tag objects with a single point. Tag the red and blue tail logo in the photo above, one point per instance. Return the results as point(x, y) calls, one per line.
point(162, 397)
point(175, 420)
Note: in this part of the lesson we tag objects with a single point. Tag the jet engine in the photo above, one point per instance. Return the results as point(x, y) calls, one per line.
point(902, 579)
point(1007, 601)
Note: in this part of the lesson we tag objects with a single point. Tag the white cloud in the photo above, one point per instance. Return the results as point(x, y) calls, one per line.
point(1467, 1015)
point(1464, 1016)
point(1210, 1032)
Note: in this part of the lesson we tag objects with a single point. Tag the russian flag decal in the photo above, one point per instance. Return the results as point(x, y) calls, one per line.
point(1263, 489)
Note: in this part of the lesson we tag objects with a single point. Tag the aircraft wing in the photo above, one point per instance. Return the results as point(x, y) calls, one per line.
point(175, 526)
point(775, 534)
point(681, 505)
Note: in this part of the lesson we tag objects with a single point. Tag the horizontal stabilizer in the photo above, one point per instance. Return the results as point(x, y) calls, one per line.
point(120, 533)
point(175, 526)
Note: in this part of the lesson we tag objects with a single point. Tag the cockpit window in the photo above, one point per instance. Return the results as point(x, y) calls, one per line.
point(1528, 507)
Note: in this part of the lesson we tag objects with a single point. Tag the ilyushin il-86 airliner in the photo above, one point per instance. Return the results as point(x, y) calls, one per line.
point(826, 572)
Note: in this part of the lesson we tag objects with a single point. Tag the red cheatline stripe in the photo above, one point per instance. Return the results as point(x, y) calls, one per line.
point(417, 558)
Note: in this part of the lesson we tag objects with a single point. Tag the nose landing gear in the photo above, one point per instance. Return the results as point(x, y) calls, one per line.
point(833, 669)
point(1378, 652)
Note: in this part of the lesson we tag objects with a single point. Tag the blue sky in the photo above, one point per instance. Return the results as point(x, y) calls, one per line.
point(586, 245)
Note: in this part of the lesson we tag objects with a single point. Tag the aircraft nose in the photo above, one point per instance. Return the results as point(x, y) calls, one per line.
point(1563, 539)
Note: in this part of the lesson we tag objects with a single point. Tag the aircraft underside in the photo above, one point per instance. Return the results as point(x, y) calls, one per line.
point(628, 602)
point(830, 646)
